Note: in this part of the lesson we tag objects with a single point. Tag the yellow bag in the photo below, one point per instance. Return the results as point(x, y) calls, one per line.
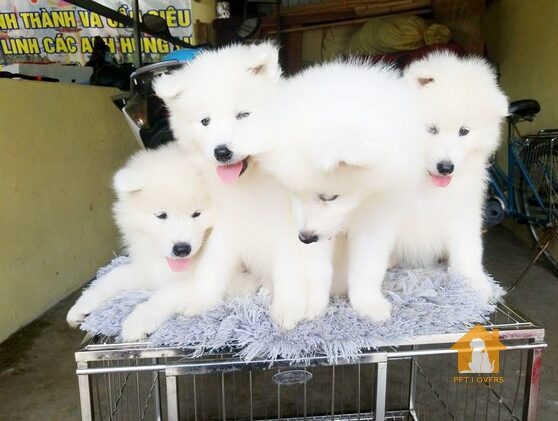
point(437, 34)
point(391, 34)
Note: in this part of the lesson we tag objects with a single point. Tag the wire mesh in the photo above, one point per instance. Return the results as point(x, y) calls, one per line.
point(125, 395)
point(337, 392)
point(483, 399)
point(422, 382)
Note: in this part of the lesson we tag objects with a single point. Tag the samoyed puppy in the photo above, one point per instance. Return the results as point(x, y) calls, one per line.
point(461, 111)
point(341, 138)
point(210, 100)
point(164, 214)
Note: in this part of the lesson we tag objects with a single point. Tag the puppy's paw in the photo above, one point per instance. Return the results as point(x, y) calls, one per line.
point(372, 306)
point(266, 289)
point(484, 285)
point(317, 305)
point(288, 314)
point(196, 304)
point(243, 285)
point(139, 324)
point(77, 314)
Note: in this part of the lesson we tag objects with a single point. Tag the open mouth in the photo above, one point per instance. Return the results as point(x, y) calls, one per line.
point(179, 264)
point(440, 180)
point(230, 173)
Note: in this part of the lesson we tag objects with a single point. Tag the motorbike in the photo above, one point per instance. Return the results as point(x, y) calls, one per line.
point(146, 113)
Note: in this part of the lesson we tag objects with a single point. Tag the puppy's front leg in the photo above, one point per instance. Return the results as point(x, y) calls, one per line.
point(370, 248)
point(319, 272)
point(213, 273)
point(121, 278)
point(243, 284)
point(149, 316)
point(289, 283)
point(465, 254)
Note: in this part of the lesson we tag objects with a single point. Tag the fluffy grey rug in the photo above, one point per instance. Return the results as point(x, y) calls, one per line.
point(424, 302)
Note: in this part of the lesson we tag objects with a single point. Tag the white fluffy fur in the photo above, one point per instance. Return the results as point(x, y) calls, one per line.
point(362, 134)
point(152, 182)
point(445, 222)
point(343, 131)
point(340, 148)
point(254, 222)
point(218, 84)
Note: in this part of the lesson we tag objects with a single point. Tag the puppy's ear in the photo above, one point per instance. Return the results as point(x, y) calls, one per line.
point(167, 87)
point(356, 157)
point(264, 61)
point(332, 165)
point(424, 80)
point(417, 76)
point(127, 180)
point(344, 163)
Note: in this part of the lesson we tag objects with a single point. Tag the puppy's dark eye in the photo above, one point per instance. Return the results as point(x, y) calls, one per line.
point(205, 121)
point(196, 214)
point(432, 129)
point(161, 215)
point(328, 197)
point(242, 115)
point(463, 131)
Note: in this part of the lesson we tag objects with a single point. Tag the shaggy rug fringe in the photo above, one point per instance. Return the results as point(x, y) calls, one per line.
point(425, 302)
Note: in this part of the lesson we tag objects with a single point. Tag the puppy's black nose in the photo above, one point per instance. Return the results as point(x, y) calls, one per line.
point(307, 237)
point(222, 153)
point(181, 249)
point(445, 167)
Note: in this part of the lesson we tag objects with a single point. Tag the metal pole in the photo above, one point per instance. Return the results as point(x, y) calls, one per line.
point(381, 391)
point(413, 385)
point(137, 35)
point(85, 400)
point(125, 20)
point(157, 393)
point(172, 398)
point(532, 382)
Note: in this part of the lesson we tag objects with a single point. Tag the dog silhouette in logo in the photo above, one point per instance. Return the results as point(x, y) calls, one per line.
point(480, 361)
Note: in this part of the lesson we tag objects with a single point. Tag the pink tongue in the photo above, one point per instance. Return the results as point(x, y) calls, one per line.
point(441, 180)
point(178, 265)
point(230, 173)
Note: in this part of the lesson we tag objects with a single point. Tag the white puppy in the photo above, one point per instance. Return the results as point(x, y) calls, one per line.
point(461, 110)
point(163, 213)
point(209, 100)
point(340, 137)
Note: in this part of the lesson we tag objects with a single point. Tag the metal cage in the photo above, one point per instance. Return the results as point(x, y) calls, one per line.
point(416, 380)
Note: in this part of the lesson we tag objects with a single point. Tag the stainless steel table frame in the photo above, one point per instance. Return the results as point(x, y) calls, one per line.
point(413, 380)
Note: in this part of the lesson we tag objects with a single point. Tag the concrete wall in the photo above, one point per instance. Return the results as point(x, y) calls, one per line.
point(521, 40)
point(59, 145)
point(203, 11)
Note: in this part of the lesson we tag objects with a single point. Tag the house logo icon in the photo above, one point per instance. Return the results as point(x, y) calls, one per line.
point(478, 351)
